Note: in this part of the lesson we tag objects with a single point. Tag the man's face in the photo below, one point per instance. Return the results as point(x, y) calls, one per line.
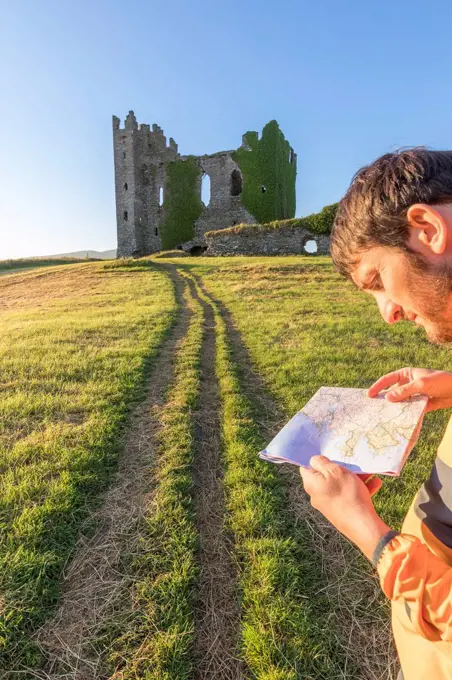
point(404, 292)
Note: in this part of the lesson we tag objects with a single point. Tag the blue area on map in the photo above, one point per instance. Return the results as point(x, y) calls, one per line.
point(298, 441)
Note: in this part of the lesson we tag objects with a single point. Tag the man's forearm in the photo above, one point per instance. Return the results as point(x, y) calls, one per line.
point(366, 532)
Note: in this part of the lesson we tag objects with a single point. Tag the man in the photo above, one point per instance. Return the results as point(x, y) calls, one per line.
point(393, 238)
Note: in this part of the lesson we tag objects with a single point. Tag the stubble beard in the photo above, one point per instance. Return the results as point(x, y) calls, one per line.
point(433, 286)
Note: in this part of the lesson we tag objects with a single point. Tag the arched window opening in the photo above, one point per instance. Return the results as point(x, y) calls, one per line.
point(161, 196)
point(126, 186)
point(311, 247)
point(126, 215)
point(205, 189)
point(236, 183)
point(198, 250)
point(124, 154)
point(156, 231)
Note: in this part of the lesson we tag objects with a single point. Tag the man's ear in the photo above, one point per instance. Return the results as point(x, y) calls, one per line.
point(429, 228)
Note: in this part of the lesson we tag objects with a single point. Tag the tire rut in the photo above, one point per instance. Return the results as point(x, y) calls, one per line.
point(361, 629)
point(93, 581)
point(217, 613)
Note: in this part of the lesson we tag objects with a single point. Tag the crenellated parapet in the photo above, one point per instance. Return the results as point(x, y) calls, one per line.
point(155, 136)
point(131, 121)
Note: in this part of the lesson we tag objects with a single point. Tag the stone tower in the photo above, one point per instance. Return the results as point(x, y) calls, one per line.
point(146, 194)
point(140, 156)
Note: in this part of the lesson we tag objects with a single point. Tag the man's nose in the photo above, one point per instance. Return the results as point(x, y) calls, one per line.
point(390, 312)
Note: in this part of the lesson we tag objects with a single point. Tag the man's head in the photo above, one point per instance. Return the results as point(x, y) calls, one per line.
point(393, 237)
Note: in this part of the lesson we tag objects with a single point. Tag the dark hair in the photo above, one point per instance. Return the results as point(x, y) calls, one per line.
point(374, 210)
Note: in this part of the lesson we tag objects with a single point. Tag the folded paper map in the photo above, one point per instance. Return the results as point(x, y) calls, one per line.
point(348, 427)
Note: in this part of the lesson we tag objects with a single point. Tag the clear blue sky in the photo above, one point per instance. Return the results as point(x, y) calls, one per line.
point(347, 81)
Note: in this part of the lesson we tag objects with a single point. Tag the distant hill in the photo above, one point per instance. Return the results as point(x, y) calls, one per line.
point(11, 266)
point(83, 254)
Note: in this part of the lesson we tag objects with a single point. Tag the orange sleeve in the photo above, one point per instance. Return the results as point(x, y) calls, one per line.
point(411, 573)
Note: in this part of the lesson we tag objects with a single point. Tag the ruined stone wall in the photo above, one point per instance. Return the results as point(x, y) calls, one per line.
point(284, 240)
point(224, 208)
point(143, 161)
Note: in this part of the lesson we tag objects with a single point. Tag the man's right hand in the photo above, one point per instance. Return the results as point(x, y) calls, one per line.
point(404, 383)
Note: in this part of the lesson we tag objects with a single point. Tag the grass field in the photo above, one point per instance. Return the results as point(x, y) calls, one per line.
point(76, 343)
point(307, 327)
point(228, 349)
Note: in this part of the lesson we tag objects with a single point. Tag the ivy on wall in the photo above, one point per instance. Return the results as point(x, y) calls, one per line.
point(269, 170)
point(317, 223)
point(181, 204)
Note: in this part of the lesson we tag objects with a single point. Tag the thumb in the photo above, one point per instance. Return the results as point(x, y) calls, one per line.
point(309, 478)
point(323, 465)
point(307, 474)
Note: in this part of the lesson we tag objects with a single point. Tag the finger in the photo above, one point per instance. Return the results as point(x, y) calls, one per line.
point(435, 404)
point(405, 391)
point(308, 477)
point(323, 465)
point(365, 477)
point(385, 381)
point(374, 485)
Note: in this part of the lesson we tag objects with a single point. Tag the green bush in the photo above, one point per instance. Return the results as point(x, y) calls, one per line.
point(321, 222)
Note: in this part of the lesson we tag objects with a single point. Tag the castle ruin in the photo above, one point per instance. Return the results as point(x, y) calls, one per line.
point(158, 191)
